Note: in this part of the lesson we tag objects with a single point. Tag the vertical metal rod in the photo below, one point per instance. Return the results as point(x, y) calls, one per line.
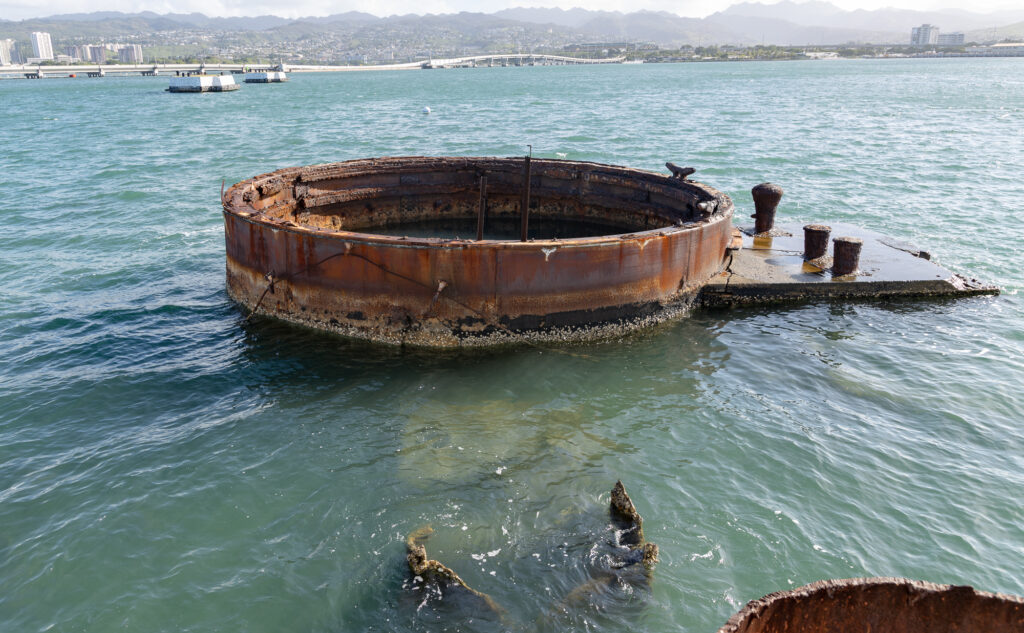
point(524, 207)
point(482, 209)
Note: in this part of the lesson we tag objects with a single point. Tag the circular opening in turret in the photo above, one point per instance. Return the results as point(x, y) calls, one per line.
point(463, 198)
point(451, 251)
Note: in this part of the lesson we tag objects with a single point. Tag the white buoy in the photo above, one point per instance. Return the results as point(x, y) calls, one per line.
point(426, 109)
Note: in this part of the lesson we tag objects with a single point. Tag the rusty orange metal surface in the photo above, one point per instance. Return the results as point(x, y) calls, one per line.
point(893, 605)
point(301, 246)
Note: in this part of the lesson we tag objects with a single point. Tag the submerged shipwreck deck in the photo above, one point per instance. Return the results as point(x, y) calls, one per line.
point(475, 251)
point(774, 269)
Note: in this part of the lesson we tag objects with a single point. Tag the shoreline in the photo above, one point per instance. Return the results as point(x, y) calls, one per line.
point(164, 70)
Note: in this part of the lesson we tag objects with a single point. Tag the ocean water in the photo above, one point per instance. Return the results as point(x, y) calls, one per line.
point(167, 466)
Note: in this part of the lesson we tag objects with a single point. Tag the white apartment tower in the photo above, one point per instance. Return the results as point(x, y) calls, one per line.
point(6, 50)
point(96, 54)
point(42, 46)
point(130, 53)
point(924, 35)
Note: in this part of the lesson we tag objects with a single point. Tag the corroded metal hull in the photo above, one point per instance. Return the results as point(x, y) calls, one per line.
point(894, 605)
point(300, 246)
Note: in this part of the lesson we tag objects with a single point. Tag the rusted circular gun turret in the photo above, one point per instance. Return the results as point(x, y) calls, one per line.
point(766, 199)
point(893, 605)
point(383, 248)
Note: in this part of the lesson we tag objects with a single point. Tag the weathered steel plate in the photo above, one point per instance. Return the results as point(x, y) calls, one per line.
point(769, 270)
point(892, 605)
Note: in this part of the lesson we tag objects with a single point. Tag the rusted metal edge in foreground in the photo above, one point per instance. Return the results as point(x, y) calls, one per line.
point(892, 605)
point(301, 246)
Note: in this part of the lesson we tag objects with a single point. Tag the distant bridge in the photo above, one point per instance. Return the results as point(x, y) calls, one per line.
point(516, 60)
point(475, 61)
point(119, 70)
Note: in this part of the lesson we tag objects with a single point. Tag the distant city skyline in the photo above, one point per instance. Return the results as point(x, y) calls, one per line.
point(27, 9)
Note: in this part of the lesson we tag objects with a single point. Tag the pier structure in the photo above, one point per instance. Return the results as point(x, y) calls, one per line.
point(34, 71)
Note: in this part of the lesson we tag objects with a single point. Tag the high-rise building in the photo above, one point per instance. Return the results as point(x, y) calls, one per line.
point(130, 53)
point(6, 52)
point(950, 39)
point(924, 35)
point(42, 46)
point(74, 52)
point(96, 54)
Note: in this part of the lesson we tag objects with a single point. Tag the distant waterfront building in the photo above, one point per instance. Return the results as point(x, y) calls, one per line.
point(924, 35)
point(6, 52)
point(601, 47)
point(1003, 49)
point(41, 45)
point(950, 39)
point(130, 53)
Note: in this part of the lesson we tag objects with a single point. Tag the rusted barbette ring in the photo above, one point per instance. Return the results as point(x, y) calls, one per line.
point(310, 230)
point(889, 605)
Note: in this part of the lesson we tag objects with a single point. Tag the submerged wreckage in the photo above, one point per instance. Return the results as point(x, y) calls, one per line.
point(632, 561)
point(470, 251)
point(853, 605)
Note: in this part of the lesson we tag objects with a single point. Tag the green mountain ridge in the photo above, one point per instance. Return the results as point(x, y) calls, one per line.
point(353, 34)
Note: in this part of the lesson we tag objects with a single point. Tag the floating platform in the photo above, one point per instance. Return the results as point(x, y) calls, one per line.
point(771, 269)
point(266, 77)
point(203, 83)
point(472, 251)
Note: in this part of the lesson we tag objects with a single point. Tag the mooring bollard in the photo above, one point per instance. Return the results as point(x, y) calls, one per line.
point(846, 255)
point(816, 240)
point(766, 199)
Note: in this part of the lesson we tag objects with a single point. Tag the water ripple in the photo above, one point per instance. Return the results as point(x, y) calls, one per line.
point(169, 467)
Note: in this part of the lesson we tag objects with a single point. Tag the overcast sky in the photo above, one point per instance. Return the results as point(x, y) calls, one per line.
point(22, 9)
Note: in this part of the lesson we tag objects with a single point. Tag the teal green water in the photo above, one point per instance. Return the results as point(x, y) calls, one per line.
point(165, 466)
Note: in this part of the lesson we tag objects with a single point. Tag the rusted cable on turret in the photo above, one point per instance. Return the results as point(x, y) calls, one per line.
point(728, 269)
point(437, 295)
point(270, 288)
point(441, 285)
